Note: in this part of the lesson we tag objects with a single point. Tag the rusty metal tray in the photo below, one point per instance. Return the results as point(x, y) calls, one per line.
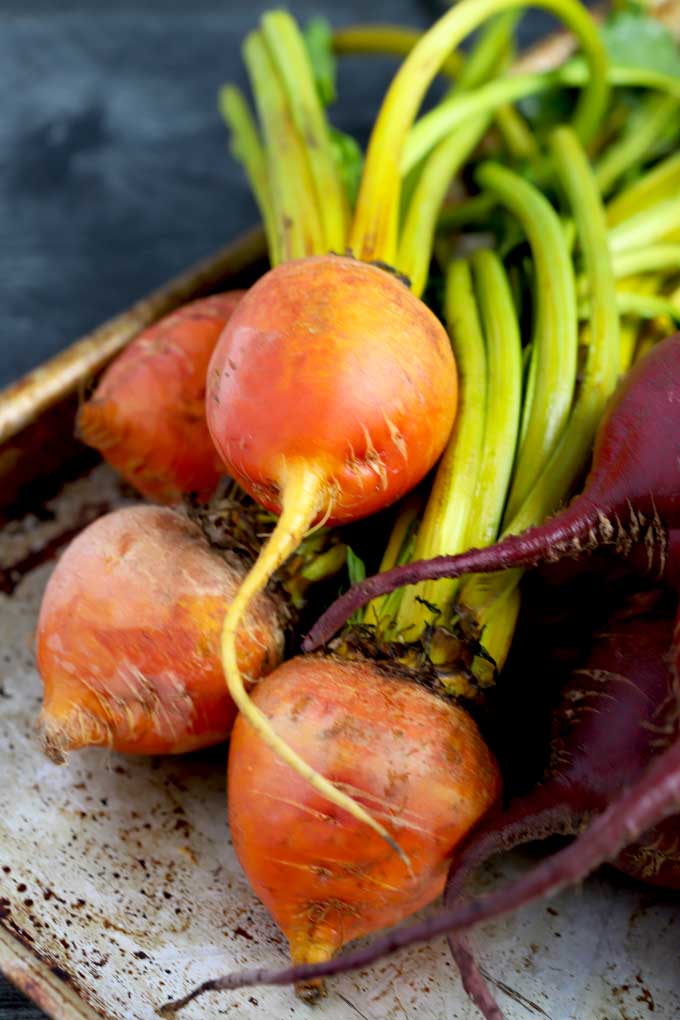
point(119, 888)
point(118, 884)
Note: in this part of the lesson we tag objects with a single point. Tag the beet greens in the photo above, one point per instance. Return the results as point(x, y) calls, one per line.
point(631, 496)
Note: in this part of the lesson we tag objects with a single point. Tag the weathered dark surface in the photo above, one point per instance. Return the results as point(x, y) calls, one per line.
point(114, 172)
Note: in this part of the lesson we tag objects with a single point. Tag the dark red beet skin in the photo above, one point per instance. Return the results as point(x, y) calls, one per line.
point(631, 496)
point(614, 717)
point(616, 714)
point(655, 856)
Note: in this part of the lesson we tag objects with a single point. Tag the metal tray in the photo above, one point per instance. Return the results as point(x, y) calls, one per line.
point(119, 888)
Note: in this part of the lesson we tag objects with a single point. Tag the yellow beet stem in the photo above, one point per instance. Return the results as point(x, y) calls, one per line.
point(555, 335)
point(399, 41)
point(503, 397)
point(288, 53)
point(630, 327)
point(499, 629)
point(494, 96)
point(645, 337)
point(247, 147)
point(304, 495)
point(415, 246)
point(657, 115)
point(658, 184)
point(646, 227)
point(491, 51)
point(646, 306)
point(382, 612)
point(449, 506)
point(654, 259)
point(386, 39)
point(374, 230)
point(295, 213)
point(601, 370)
point(439, 123)
point(598, 378)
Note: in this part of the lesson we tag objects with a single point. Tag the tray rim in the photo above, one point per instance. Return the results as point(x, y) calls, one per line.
point(26, 400)
point(34, 978)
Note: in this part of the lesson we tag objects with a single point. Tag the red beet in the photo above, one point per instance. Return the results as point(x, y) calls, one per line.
point(614, 717)
point(631, 496)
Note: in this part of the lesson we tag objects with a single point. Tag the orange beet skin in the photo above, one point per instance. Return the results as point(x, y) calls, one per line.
point(128, 637)
point(147, 415)
point(332, 362)
point(416, 762)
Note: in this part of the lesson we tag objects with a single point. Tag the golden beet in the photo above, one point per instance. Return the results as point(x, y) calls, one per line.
point(128, 637)
point(415, 761)
point(147, 415)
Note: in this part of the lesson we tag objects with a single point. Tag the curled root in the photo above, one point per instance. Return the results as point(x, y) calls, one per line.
point(311, 991)
point(53, 744)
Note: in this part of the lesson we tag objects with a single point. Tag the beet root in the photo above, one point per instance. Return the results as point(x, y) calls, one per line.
point(333, 363)
point(655, 857)
point(147, 414)
point(415, 760)
point(613, 718)
point(331, 392)
point(128, 637)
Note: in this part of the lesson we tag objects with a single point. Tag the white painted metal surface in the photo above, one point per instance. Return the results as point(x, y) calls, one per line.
point(119, 888)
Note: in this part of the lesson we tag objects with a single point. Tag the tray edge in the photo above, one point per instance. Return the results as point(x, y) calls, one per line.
point(35, 979)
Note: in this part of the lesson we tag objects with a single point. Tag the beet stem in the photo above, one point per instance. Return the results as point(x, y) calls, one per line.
point(537, 816)
point(567, 532)
point(374, 228)
point(444, 526)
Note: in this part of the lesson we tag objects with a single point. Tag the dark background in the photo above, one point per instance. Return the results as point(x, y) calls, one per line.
point(114, 171)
